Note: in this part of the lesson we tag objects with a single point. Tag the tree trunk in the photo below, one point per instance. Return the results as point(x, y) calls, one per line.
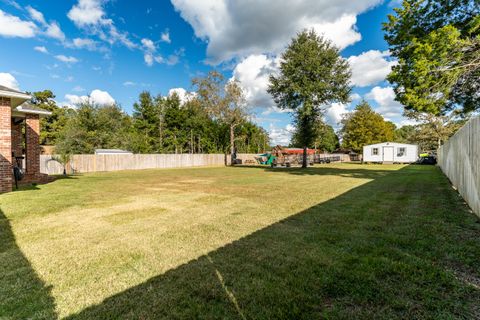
point(304, 162)
point(160, 129)
point(232, 144)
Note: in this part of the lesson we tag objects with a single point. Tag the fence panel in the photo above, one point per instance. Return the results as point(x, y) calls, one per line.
point(459, 159)
point(95, 163)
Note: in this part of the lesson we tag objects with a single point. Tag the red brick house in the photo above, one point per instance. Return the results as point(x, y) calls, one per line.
point(16, 113)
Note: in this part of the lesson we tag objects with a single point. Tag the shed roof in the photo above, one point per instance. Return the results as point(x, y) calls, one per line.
point(111, 151)
point(388, 143)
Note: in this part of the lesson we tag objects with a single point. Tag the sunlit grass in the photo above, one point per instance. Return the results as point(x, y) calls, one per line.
point(91, 237)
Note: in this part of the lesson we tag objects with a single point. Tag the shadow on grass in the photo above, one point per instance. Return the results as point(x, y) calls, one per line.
point(383, 250)
point(23, 295)
point(35, 186)
point(344, 171)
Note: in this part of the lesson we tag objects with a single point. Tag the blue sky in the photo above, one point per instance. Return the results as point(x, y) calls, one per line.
point(111, 50)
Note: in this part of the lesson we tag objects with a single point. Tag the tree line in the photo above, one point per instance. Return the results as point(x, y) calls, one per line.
point(215, 120)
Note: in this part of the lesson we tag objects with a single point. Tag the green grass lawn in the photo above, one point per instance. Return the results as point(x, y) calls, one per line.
point(334, 241)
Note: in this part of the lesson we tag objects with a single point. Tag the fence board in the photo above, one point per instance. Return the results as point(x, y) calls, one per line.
point(459, 159)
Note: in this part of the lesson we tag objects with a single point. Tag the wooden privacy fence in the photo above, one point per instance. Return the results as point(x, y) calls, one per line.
point(84, 163)
point(95, 163)
point(459, 159)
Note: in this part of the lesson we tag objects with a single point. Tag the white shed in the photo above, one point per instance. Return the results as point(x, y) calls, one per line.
point(390, 152)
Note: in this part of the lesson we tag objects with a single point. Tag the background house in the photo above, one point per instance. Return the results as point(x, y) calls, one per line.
point(390, 152)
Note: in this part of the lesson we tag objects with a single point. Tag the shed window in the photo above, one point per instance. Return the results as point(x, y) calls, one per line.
point(402, 152)
point(374, 151)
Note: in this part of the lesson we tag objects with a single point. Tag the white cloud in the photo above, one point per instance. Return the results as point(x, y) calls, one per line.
point(183, 94)
point(14, 4)
point(86, 12)
point(90, 15)
point(36, 15)
point(274, 109)
point(86, 43)
point(253, 75)
point(41, 49)
point(370, 67)
point(9, 81)
point(54, 31)
point(281, 136)
point(241, 28)
point(69, 79)
point(96, 96)
point(149, 45)
point(334, 113)
point(101, 97)
point(129, 83)
point(12, 26)
point(165, 36)
point(66, 59)
point(148, 58)
point(385, 98)
point(73, 100)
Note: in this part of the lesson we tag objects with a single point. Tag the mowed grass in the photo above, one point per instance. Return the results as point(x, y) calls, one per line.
point(334, 241)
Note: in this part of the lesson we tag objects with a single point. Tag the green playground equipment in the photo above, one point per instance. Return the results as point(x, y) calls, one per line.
point(270, 158)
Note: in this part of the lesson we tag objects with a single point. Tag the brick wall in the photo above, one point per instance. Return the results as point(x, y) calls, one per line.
point(6, 176)
point(32, 147)
point(17, 139)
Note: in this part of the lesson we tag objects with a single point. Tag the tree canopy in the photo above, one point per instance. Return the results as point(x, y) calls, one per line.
point(364, 126)
point(437, 44)
point(312, 75)
point(159, 124)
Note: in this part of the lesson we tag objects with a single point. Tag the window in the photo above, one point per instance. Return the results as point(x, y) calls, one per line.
point(374, 151)
point(402, 152)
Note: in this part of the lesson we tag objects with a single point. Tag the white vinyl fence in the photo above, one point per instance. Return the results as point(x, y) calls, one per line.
point(96, 163)
point(459, 159)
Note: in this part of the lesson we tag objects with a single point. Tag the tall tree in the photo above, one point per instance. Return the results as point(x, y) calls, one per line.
point(312, 75)
point(433, 130)
point(53, 124)
point(224, 100)
point(437, 44)
point(325, 137)
point(364, 126)
point(146, 123)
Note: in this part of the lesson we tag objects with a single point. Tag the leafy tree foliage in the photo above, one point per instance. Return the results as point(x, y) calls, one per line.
point(224, 101)
point(432, 131)
point(312, 74)
point(325, 137)
point(53, 124)
point(146, 124)
point(158, 125)
point(437, 44)
point(405, 134)
point(90, 127)
point(364, 126)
